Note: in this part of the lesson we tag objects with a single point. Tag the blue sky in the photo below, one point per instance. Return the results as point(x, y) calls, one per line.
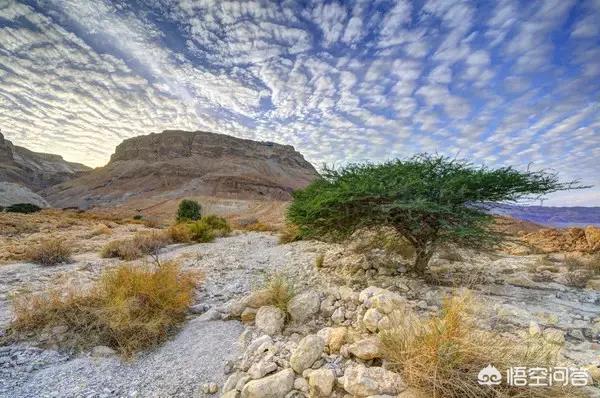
point(496, 82)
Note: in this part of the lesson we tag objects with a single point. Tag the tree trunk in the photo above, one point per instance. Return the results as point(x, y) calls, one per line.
point(423, 255)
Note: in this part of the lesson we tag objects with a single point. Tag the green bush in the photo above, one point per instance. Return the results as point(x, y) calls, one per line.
point(189, 210)
point(24, 208)
point(429, 200)
point(138, 217)
point(208, 228)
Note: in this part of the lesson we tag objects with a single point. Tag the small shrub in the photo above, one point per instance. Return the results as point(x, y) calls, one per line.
point(189, 210)
point(140, 245)
point(290, 233)
point(320, 261)
point(100, 229)
point(138, 217)
point(129, 309)
point(443, 355)
point(50, 252)
point(25, 208)
point(180, 233)
point(590, 263)
point(208, 228)
point(577, 278)
point(280, 289)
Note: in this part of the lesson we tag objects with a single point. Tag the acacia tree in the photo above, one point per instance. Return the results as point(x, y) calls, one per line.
point(428, 199)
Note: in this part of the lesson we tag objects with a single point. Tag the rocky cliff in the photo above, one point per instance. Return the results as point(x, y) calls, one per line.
point(182, 163)
point(24, 172)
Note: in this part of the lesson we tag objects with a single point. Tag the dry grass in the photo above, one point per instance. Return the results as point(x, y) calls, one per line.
point(443, 355)
point(320, 261)
point(50, 252)
point(577, 278)
point(180, 233)
point(129, 309)
point(147, 243)
point(280, 289)
point(259, 227)
point(289, 233)
point(590, 263)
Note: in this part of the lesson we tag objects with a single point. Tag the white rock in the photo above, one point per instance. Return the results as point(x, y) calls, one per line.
point(232, 381)
point(270, 320)
point(274, 386)
point(304, 306)
point(301, 384)
point(308, 351)
point(103, 351)
point(338, 316)
point(260, 369)
point(366, 349)
point(231, 394)
point(321, 382)
point(371, 319)
point(362, 381)
point(369, 292)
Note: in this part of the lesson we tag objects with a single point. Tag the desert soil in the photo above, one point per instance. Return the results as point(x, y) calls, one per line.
point(201, 352)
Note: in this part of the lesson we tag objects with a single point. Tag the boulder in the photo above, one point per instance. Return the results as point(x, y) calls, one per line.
point(274, 386)
point(308, 351)
point(304, 306)
point(321, 382)
point(362, 381)
point(371, 319)
point(270, 320)
point(366, 349)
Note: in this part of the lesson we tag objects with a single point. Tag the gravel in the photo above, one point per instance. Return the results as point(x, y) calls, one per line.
point(195, 357)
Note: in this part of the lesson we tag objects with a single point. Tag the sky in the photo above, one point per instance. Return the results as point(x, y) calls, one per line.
point(496, 82)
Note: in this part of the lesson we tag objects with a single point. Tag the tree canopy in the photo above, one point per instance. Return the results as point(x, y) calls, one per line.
point(428, 199)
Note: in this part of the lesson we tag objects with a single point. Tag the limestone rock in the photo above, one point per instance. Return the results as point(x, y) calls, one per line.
point(366, 349)
point(304, 306)
point(371, 319)
point(270, 320)
point(362, 381)
point(274, 386)
point(308, 351)
point(321, 382)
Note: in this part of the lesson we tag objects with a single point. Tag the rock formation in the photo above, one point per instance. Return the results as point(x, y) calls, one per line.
point(24, 172)
point(176, 164)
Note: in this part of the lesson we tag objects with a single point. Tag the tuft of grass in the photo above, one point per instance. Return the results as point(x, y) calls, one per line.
point(50, 252)
point(100, 229)
point(148, 243)
point(442, 356)
point(280, 290)
point(258, 227)
point(129, 308)
point(320, 261)
point(590, 263)
point(290, 233)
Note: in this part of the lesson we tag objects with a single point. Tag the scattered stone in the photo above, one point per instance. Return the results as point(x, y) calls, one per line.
point(321, 382)
point(308, 351)
point(371, 319)
point(304, 306)
point(366, 349)
point(363, 382)
point(275, 386)
point(210, 388)
point(270, 320)
point(301, 384)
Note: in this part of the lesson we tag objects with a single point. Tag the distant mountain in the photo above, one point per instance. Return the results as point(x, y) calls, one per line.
point(23, 173)
point(176, 164)
point(552, 216)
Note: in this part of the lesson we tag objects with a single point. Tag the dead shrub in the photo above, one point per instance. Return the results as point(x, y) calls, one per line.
point(290, 233)
point(442, 356)
point(577, 278)
point(50, 252)
point(100, 229)
point(180, 233)
point(146, 243)
point(129, 308)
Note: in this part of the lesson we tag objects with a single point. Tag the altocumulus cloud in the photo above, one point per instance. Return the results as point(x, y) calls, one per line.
point(505, 82)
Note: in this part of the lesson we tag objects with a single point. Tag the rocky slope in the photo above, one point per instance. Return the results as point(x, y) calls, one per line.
point(24, 172)
point(175, 164)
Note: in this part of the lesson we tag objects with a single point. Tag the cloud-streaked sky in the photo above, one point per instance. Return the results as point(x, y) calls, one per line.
point(501, 82)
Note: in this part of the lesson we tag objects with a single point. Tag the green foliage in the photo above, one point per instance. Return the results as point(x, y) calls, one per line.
point(189, 210)
point(428, 199)
point(208, 228)
point(138, 217)
point(24, 208)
